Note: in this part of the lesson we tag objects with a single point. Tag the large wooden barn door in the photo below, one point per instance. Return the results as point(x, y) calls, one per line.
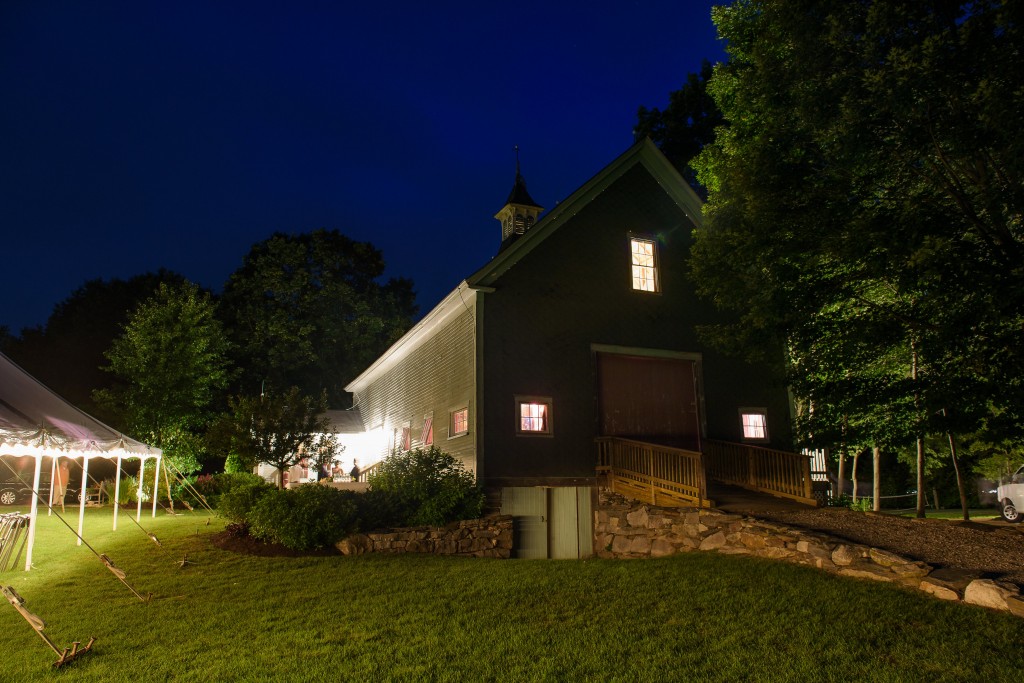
point(649, 399)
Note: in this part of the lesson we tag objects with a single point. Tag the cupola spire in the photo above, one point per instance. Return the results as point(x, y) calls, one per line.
point(520, 212)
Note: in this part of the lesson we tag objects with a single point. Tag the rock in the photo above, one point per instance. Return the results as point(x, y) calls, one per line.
point(638, 518)
point(734, 550)
point(885, 558)
point(991, 594)
point(661, 548)
point(911, 570)
point(620, 545)
point(752, 540)
point(775, 553)
point(938, 590)
point(356, 544)
point(713, 542)
point(1016, 605)
point(640, 545)
point(954, 579)
point(867, 572)
point(844, 555)
point(813, 549)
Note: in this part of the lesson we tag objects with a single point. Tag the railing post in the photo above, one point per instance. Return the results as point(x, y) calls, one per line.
point(650, 473)
point(751, 462)
point(808, 492)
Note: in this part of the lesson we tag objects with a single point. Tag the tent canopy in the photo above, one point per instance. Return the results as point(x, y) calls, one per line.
point(34, 419)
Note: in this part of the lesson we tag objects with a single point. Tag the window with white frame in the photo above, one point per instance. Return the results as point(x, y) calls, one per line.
point(755, 424)
point(533, 415)
point(643, 259)
point(458, 422)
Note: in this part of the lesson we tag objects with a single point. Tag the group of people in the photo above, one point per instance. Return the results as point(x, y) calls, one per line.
point(337, 474)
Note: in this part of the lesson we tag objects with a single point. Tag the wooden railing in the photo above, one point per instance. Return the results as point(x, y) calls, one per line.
point(660, 475)
point(779, 473)
point(364, 474)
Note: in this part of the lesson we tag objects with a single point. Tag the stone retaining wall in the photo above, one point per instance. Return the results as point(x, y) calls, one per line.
point(487, 537)
point(625, 528)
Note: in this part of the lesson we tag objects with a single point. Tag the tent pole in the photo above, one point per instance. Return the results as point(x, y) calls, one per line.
point(142, 470)
point(81, 497)
point(117, 490)
point(53, 476)
point(34, 514)
point(156, 485)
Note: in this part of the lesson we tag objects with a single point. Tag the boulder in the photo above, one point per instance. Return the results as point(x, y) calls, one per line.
point(991, 594)
point(713, 542)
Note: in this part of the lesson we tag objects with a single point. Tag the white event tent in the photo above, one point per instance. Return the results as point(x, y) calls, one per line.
point(36, 422)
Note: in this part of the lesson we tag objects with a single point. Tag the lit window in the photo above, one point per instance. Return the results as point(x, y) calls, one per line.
point(533, 415)
point(645, 271)
point(406, 438)
point(458, 422)
point(428, 430)
point(755, 424)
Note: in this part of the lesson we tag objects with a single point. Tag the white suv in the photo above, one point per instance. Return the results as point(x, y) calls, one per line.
point(1011, 497)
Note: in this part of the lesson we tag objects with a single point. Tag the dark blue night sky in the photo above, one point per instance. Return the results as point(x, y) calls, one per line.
point(139, 135)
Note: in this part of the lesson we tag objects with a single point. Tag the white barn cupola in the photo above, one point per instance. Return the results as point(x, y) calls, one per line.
point(520, 212)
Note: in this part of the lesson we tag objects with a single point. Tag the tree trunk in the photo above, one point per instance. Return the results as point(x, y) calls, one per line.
point(959, 477)
point(842, 461)
point(853, 473)
point(167, 482)
point(920, 438)
point(935, 496)
point(876, 489)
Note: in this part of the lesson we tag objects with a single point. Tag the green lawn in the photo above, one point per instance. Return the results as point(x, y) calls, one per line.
point(694, 617)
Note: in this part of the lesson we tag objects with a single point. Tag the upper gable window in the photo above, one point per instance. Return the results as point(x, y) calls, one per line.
point(755, 424)
point(644, 261)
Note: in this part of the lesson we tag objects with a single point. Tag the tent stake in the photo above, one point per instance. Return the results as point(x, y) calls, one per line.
point(64, 656)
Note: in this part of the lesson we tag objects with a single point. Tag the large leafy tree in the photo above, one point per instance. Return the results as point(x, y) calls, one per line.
point(865, 207)
point(173, 366)
point(309, 310)
point(279, 429)
point(683, 128)
point(66, 353)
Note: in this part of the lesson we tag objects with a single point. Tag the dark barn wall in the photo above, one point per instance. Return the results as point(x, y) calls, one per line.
point(572, 291)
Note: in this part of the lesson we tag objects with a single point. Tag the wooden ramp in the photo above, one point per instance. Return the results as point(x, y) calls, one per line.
point(748, 476)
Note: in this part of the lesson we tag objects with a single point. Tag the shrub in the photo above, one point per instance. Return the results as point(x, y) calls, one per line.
point(212, 486)
point(304, 518)
point(380, 510)
point(237, 503)
point(430, 487)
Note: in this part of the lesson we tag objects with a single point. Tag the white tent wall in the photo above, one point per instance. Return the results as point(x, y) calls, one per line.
point(36, 422)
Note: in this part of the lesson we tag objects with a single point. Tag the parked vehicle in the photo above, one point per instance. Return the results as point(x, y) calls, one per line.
point(1011, 497)
point(13, 491)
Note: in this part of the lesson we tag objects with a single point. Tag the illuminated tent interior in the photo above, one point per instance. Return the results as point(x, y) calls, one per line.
point(36, 422)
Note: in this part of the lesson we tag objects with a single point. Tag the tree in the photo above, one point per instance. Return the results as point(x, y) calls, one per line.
point(308, 310)
point(686, 125)
point(867, 186)
point(66, 353)
point(277, 429)
point(172, 364)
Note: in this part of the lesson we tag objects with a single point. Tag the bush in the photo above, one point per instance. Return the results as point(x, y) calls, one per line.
point(212, 486)
point(380, 510)
point(237, 503)
point(429, 487)
point(304, 518)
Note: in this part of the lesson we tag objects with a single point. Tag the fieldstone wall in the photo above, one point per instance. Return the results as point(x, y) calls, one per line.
point(626, 528)
point(487, 537)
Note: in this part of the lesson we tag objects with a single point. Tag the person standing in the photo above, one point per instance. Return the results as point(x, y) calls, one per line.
point(60, 483)
point(355, 471)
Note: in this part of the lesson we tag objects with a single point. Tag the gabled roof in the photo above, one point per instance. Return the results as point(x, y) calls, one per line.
point(463, 296)
point(643, 152)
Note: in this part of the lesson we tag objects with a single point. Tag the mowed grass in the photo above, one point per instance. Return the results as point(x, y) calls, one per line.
point(693, 617)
